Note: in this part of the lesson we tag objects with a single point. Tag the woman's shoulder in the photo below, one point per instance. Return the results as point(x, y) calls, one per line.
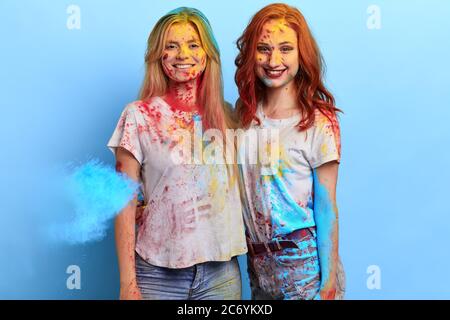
point(326, 124)
point(144, 103)
point(152, 108)
point(325, 118)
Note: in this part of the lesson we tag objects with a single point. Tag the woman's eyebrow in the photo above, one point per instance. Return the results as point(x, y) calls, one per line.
point(284, 42)
point(262, 44)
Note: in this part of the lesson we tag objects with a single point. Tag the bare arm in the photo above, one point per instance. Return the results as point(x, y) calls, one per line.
point(125, 229)
point(326, 217)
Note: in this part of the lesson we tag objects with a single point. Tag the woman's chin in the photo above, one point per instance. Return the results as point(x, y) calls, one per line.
point(184, 78)
point(274, 83)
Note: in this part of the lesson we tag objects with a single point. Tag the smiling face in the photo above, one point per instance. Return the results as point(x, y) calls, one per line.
point(276, 56)
point(184, 58)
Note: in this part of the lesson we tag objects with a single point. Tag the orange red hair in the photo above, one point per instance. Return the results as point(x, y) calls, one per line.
point(310, 90)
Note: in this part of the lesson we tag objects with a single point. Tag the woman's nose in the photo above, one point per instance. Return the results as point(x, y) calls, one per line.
point(183, 53)
point(275, 59)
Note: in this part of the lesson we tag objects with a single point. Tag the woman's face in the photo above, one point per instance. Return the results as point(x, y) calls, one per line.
point(183, 57)
point(277, 54)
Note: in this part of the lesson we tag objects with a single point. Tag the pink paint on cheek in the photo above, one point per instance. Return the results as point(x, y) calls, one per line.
point(165, 56)
point(167, 71)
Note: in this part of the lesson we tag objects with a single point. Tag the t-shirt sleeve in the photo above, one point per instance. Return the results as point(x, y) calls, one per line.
point(326, 140)
point(126, 134)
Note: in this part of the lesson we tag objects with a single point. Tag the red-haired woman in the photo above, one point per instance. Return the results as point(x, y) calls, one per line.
point(291, 214)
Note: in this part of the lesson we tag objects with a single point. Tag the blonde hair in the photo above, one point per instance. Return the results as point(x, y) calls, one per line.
point(216, 112)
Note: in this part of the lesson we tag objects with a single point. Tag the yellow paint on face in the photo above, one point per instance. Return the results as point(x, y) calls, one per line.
point(277, 49)
point(184, 58)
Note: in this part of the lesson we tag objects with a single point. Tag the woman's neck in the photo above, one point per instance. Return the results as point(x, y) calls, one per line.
point(183, 95)
point(280, 102)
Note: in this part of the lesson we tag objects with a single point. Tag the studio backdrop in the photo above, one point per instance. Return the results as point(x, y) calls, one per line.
point(68, 68)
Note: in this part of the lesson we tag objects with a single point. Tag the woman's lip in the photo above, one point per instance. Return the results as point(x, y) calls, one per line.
point(183, 66)
point(274, 75)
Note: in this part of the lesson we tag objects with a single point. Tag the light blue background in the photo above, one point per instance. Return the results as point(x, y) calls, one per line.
point(62, 92)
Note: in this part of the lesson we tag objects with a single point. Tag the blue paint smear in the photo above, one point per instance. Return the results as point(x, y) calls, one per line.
point(286, 215)
point(325, 218)
point(96, 193)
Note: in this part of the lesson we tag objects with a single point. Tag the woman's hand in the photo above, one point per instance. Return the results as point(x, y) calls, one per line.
point(130, 291)
point(327, 292)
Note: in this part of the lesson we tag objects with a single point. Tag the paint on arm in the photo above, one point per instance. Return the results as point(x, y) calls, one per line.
point(326, 218)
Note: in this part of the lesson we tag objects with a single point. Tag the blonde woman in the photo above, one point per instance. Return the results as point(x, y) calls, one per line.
point(191, 229)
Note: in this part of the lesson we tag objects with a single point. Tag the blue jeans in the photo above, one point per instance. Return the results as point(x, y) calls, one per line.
point(214, 280)
point(290, 274)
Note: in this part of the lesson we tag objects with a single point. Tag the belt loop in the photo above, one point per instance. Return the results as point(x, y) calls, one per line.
point(312, 231)
point(250, 249)
point(249, 245)
point(269, 252)
point(278, 244)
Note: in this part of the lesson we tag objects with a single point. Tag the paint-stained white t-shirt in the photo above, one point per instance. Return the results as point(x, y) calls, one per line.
point(193, 214)
point(278, 197)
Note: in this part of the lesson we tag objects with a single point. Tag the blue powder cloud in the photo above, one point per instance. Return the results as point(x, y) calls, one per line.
point(96, 193)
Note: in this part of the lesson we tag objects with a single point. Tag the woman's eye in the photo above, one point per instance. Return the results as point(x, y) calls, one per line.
point(263, 49)
point(194, 46)
point(171, 46)
point(286, 49)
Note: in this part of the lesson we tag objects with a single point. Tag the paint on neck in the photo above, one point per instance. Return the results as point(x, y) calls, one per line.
point(183, 95)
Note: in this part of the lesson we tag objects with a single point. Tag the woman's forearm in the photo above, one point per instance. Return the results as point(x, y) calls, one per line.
point(327, 245)
point(125, 243)
point(326, 218)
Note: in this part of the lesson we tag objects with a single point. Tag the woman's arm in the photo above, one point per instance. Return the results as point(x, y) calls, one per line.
point(326, 217)
point(125, 229)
